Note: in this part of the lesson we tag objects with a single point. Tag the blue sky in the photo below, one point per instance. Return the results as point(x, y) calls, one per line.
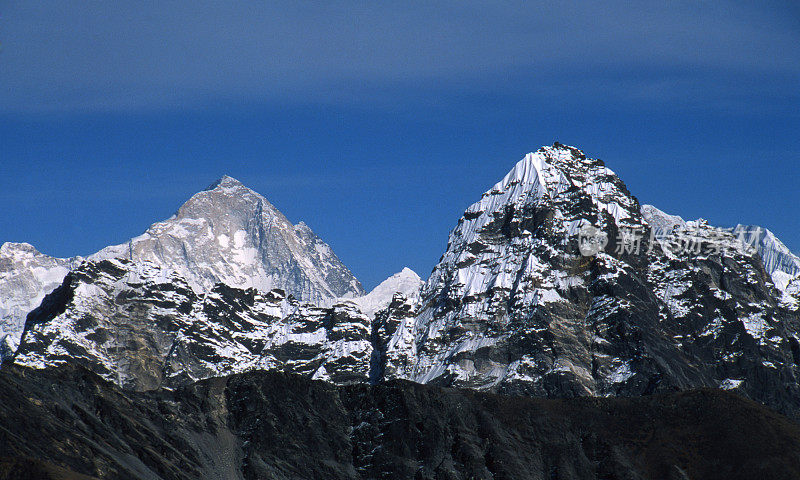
point(379, 124)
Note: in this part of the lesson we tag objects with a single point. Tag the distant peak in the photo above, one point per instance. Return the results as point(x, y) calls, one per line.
point(226, 182)
point(9, 247)
point(407, 272)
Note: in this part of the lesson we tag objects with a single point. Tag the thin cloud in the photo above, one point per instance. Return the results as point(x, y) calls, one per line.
point(73, 56)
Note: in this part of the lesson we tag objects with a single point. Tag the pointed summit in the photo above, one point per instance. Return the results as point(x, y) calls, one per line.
point(230, 234)
point(227, 182)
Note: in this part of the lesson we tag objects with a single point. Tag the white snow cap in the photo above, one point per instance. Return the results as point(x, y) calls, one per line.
point(405, 281)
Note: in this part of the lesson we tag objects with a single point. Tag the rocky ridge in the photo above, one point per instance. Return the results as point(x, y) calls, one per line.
point(142, 326)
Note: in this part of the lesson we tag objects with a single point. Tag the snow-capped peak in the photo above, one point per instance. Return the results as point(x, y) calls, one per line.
point(405, 281)
point(233, 235)
point(11, 248)
point(779, 261)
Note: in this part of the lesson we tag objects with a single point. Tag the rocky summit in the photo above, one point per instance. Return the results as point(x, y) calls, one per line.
point(230, 234)
point(520, 304)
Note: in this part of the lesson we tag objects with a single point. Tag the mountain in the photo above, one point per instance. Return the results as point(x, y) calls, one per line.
point(230, 234)
point(661, 223)
point(225, 234)
point(405, 282)
point(26, 276)
point(555, 284)
point(779, 262)
point(66, 423)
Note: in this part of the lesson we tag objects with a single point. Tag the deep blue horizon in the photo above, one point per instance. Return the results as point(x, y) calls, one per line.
point(380, 149)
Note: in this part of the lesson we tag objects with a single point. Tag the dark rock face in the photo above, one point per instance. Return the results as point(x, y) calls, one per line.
point(66, 422)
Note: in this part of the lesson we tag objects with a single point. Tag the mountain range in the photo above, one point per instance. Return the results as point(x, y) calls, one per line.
point(556, 283)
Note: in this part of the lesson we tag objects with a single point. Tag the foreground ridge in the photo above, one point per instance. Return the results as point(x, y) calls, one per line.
point(68, 422)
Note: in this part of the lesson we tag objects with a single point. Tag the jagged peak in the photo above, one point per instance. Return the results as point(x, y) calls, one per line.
point(575, 151)
point(303, 227)
point(220, 192)
point(663, 223)
point(406, 282)
point(546, 166)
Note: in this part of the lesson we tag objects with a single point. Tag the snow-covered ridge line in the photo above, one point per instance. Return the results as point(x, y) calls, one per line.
point(515, 305)
point(780, 263)
point(140, 325)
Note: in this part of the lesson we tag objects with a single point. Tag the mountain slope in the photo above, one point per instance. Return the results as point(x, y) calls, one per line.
point(779, 261)
point(271, 425)
point(141, 326)
point(225, 234)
